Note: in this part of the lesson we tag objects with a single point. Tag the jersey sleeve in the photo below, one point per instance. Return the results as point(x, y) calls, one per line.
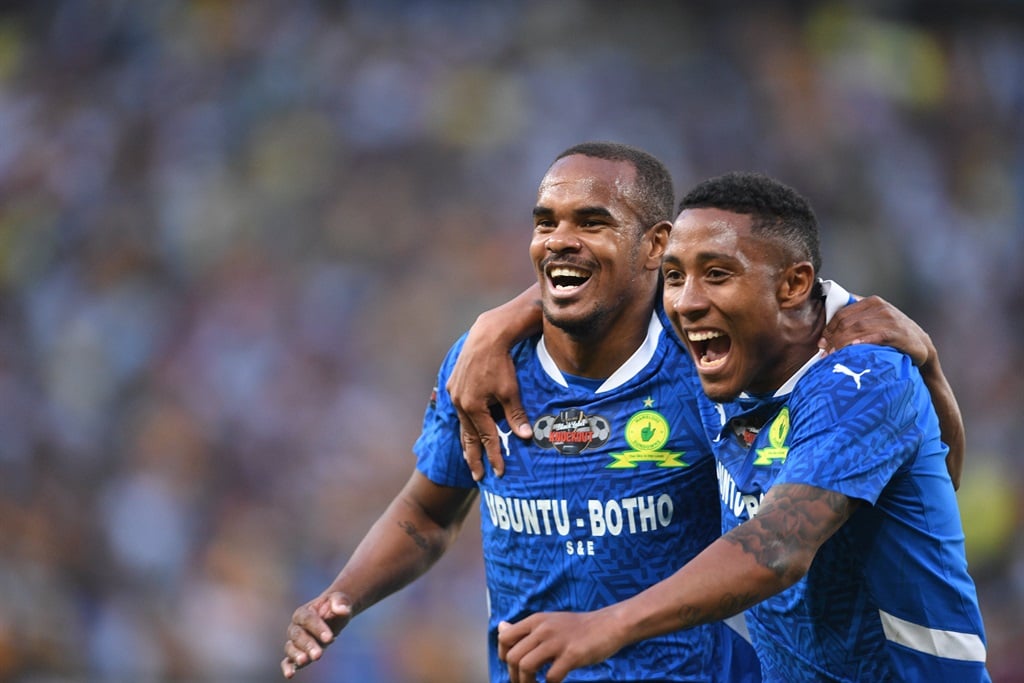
point(856, 422)
point(438, 449)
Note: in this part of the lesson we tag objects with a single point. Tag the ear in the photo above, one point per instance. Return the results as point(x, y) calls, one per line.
point(796, 285)
point(657, 238)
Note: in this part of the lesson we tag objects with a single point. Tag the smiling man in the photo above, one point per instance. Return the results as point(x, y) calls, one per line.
point(843, 540)
point(614, 490)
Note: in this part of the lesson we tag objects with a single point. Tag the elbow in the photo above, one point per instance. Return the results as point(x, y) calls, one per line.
point(784, 568)
point(787, 571)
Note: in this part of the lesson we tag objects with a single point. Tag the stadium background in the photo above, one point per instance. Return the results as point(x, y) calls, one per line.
point(237, 237)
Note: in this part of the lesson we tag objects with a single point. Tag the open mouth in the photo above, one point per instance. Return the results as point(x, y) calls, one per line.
point(567, 278)
point(711, 347)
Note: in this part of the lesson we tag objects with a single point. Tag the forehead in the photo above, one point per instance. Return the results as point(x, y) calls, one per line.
point(589, 180)
point(701, 231)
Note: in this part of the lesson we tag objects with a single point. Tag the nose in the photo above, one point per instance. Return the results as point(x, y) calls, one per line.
point(687, 300)
point(562, 239)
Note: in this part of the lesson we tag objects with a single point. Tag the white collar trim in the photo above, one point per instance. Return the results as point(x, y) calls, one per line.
point(633, 365)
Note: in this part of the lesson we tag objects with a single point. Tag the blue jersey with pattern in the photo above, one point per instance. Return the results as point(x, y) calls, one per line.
point(888, 597)
point(615, 492)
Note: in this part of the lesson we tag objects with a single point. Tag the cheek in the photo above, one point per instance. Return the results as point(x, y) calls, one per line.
point(669, 298)
point(537, 250)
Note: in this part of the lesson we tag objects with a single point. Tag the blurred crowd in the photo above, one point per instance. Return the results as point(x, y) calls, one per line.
point(236, 239)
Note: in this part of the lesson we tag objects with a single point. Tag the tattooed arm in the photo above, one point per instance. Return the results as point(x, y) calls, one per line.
point(754, 561)
point(415, 530)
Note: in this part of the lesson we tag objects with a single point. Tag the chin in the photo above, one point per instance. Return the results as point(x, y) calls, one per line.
point(719, 393)
point(574, 325)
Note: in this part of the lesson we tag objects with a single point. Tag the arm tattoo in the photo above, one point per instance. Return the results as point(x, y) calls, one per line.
point(731, 603)
point(414, 533)
point(794, 520)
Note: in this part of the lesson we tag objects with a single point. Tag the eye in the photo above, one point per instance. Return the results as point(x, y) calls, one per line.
point(717, 274)
point(673, 276)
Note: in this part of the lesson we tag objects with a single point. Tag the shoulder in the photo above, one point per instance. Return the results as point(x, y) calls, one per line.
point(452, 356)
point(863, 380)
point(862, 365)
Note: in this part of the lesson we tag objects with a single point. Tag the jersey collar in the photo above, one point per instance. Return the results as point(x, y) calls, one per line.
point(835, 298)
point(633, 365)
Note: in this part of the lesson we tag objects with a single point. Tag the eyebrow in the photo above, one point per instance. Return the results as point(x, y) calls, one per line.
point(702, 257)
point(582, 211)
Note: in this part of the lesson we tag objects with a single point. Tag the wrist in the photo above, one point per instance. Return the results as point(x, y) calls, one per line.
point(931, 361)
point(620, 625)
point(493, 325)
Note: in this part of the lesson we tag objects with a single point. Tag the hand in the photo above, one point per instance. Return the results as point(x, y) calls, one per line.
point(314, 626)
point(484, 376)
point(566, 640)
point(873, 320)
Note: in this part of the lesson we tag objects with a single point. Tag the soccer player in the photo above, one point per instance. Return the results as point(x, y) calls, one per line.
point(616, 488)
point(843, 541)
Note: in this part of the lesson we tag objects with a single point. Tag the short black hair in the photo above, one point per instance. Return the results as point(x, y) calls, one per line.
point(776, 209)
point(654, 187)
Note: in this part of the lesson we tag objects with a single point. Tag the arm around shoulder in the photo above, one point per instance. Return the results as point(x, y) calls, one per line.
point(484, 376)
point(951, 420)
point(873, 320)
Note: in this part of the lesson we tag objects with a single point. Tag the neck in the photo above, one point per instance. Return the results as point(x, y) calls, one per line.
point(600, 352)
point(799, 333)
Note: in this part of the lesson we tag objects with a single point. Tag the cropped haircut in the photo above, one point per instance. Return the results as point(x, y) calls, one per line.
point(776, 210)
point(653, 184)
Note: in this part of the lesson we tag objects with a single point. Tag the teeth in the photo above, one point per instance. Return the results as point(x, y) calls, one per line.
point(703, 335)
point(563, 271)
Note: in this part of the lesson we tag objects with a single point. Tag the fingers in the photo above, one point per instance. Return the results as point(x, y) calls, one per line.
point(853, 324)
point(530, 654)
point(472, 447)
point(516, 416)
point(492, 445)
point(339, 607)
point(295, 659)
point(873, 320)
point(518, 647)
point(311, 631)
point(505, 639)
point(302, 647)
point(480, 437)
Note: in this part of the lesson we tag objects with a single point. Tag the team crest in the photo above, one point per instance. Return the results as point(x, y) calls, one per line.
point(776, 451)
point(571, 431)
point(647, 431)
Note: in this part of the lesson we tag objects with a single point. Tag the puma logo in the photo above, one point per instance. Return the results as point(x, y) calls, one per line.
point(843, 370)
point(504, 440)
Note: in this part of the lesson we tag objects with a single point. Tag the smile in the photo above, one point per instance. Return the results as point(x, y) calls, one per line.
point(710, 347)
point(565, 278)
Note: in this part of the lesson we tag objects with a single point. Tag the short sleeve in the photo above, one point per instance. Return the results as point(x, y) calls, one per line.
point(855, 422)
point(438, 449)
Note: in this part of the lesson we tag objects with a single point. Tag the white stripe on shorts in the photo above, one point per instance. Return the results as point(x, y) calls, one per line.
point(967, 647)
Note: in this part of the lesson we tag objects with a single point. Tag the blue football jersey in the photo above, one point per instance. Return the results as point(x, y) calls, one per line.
point(615, 492)
point(888, 597)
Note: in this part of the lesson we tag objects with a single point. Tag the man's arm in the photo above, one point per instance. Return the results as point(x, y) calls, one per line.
point(754, 561)
point(415, 530)
point(873, 320)
point(485, 376)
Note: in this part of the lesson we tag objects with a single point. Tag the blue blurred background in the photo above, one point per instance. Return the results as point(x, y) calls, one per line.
point(236, 239)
